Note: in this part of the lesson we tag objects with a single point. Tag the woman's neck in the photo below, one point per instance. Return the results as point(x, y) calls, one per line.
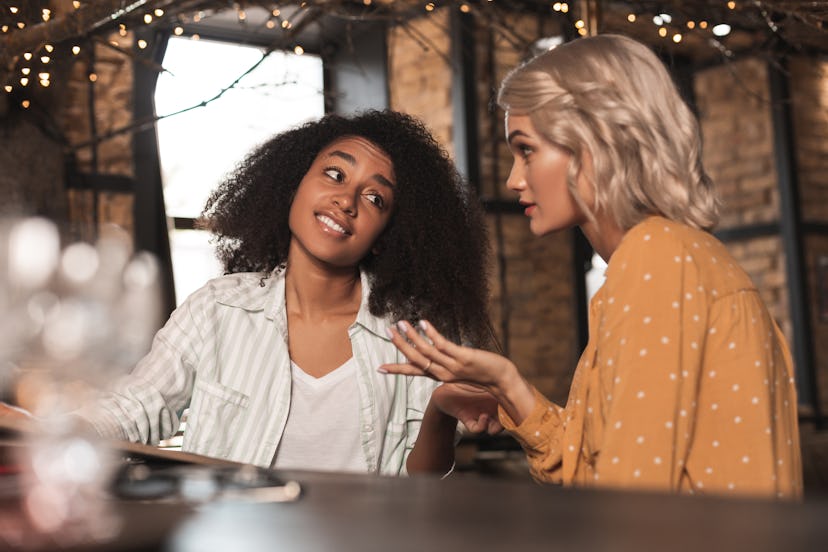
point(315, 292)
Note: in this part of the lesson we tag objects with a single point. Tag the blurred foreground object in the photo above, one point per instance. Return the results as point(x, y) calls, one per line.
point(74, 318)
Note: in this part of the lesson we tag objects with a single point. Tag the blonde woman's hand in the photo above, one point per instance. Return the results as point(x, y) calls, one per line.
point(434, 356)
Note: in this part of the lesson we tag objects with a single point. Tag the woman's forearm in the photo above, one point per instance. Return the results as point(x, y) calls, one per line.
point(434, 450)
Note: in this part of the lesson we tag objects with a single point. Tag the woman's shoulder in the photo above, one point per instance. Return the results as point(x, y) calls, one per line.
point(242, 289)
point(659, 241)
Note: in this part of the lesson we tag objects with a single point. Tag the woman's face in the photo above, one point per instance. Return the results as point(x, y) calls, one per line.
point(539, 177)
point(343, 203)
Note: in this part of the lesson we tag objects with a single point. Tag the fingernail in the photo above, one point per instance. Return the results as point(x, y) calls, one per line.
point(423, 325)
point(390, 332)
point(402, 326)
point(382, 370)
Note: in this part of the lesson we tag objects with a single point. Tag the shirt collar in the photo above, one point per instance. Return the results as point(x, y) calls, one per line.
point(267, 294)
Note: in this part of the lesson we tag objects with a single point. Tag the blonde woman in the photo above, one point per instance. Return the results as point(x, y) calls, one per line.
point(686, 384)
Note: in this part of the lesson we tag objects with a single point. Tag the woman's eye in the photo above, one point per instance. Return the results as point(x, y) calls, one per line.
point(525, 151)
point(376, 199)
point(336, 174)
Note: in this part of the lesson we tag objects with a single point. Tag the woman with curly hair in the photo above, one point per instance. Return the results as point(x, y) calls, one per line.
point(328, 232)
point(686, 384)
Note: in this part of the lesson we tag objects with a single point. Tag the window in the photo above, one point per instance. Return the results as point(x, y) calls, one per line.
point(197, 147)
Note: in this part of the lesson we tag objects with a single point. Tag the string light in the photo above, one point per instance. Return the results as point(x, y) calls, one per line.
point(25, 104)
point(93, 77)
point(179, 30)
point(24, 81)
point(8, 88)
point(45, 59)
point(465, 8)
point(46, 14)
point(241, 15)
point(580, 24)
point(147, 18)
point(142, 43)
point(159, 12)
point(298, 50)
point(76, 4)
point(122, 30)
point(631, 18)
point(21, 25)
point(731, 5)
point(75, 50)
point(270, 24)
point(27, 56)
point(702, 24)
point(49, 48)
point(13, 9)
point(276, 12)
point(722, 29)
point(366, 2)
point(25, 70)
point(677, 38)
point(429, 7)
point(662, 32)
point(691, 24)
point(5, 28)
point(286, 24)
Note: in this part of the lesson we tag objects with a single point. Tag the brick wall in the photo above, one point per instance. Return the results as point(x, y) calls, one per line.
point(809, 108)
point(113, 110)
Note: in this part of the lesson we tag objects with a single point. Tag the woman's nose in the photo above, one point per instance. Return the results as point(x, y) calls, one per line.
point(345, 202)
point(517, 180)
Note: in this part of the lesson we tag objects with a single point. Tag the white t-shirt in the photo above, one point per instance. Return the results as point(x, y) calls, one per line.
point(322, 429)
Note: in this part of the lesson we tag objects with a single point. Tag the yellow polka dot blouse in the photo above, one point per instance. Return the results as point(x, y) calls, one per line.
point(686, 384)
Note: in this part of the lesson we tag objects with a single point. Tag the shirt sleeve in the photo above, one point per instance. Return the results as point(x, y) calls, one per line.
point(650, 337)
point(144, 405)
point(540, 435)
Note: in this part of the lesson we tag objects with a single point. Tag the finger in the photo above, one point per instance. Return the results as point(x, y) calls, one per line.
point(494, 427)
point(405, 370)
point(445, 346)
point(425, 347)
point(407, 348)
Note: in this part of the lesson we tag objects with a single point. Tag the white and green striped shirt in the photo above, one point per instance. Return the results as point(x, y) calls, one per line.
point(224, 352)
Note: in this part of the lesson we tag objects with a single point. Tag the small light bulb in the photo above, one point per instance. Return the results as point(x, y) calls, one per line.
point(631, 18)
point(27, 56)
point(49, 48)
point(76, 50)
point(25, 104)
point(147, 18)
point(677, 38)
point(25, 70)
point(45, 59)
point(178, 31)
point(662, 32)
point(13, 9)
point(158, 12)
point(465, 8)
point(691, 24)
point(76, 4)
point(142, 44)
point(8, 88)
point(93, 77)
point(24, 81)
point(722, 29)
point(298, 50)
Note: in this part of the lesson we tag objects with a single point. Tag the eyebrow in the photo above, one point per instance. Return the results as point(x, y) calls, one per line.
point(514, 134)
point(352, 161)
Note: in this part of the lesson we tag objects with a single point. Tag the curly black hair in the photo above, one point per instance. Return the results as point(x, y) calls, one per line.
point(432, 258)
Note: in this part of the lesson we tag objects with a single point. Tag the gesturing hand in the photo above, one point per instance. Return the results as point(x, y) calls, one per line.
point(440, 359)
point(435, 356)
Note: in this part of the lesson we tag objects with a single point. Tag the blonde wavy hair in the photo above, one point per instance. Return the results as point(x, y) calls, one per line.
point(609, 98)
